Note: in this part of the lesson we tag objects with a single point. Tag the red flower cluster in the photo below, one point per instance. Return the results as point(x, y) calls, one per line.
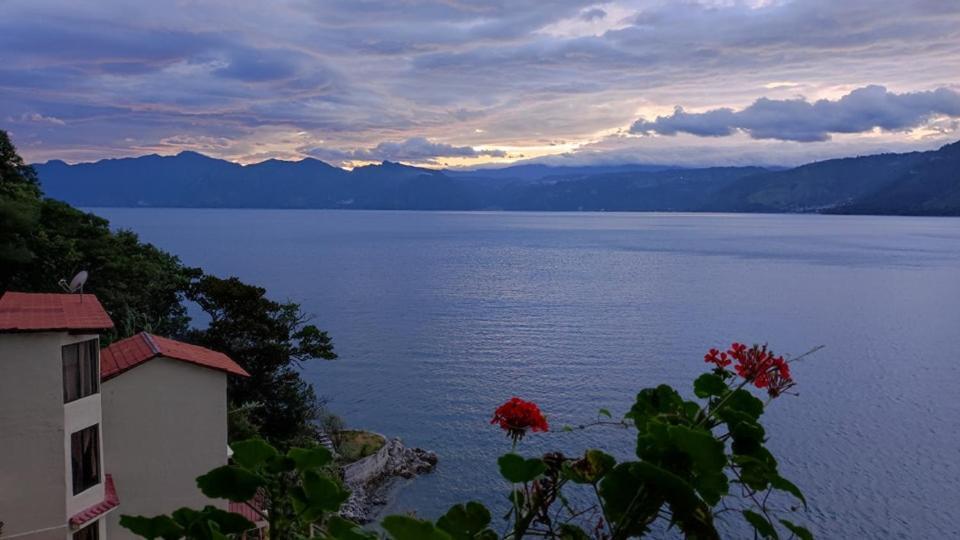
point(517, 416)
point(719, 358)
point(755, 364)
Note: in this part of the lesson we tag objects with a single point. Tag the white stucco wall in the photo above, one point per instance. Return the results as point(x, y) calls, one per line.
point(165, 424)
point(36, 491)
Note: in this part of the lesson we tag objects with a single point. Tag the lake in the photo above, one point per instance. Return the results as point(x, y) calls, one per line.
point(439, 316)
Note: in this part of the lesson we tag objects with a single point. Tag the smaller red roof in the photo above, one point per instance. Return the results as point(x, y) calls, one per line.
point(46, 312)
point(109, 502)
point(129, 353)
point(254, 510)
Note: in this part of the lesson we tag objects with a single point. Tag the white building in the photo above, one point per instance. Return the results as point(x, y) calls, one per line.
point(159, 421)
point(165, 423)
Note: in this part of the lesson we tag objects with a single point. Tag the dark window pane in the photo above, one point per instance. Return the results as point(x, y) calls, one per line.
point(71, 373)
point(85, 458)
point(81, 370)
point(90, 532)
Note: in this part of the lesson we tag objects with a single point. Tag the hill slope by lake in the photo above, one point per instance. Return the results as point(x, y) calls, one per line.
point(916, 183)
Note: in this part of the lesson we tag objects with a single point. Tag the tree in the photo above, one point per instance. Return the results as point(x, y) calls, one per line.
point(19, 209)
point(270, 340)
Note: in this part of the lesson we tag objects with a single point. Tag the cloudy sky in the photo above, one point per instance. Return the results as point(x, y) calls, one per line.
point(467, 82)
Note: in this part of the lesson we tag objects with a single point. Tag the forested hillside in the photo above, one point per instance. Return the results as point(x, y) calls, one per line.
point(917, 183)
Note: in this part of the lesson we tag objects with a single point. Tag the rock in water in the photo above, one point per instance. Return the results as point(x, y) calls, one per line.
point(369, 478)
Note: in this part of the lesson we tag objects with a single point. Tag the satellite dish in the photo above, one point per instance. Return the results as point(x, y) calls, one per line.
point(76, 284)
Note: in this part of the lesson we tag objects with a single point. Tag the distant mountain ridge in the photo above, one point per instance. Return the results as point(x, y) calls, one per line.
point(915, 183)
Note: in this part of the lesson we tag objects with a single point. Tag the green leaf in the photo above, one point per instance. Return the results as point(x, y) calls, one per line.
point(801, 532)
point(763, 527)
point(186, 517)
point(408, 528)
point(674, 489)
point(516, 469)
point(655, 401)
point(706, 452)
point(708, 385)
point(708, 460)
point(227, 522)
point(746, 432)
point(745, 402)
point(320, 495)
point(650, 486)
point(151, 528)
point(252, 453)
point(572, 532)
point(310, 458)
point(691, 409)
point(757, 472)
point(781, 483)
point(210, 523)
point(604, 412)
point(343, 529)
point(281, 464)
point(229, 482)
point(590, 468)
point(467, 522)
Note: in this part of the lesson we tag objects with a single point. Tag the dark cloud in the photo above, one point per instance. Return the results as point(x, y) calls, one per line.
point(862, 110)
point(414, 149)
point(99, 46)
point(258, 65)
point(129, 77)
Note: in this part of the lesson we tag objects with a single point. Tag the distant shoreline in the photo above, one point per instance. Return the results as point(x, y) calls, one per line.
point(515, 211)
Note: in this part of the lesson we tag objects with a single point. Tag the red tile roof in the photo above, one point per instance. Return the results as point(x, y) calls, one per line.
point(45, 312)
point(129, 353)
point(109, 502)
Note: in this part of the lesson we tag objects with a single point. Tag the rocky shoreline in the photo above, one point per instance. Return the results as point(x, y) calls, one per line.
point(369, 478)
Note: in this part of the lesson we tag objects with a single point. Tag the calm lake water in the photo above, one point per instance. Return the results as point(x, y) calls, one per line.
point(439, 317)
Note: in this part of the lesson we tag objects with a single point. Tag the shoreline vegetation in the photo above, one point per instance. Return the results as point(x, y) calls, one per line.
point(355, 444)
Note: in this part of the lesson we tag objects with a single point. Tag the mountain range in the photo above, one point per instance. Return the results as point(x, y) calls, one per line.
point(916, 183)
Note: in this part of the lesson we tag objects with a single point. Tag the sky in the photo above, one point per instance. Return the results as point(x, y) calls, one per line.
point(463, 83)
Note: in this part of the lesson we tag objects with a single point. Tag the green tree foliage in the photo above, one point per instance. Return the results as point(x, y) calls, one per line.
point(19, 209)
point(269, 339)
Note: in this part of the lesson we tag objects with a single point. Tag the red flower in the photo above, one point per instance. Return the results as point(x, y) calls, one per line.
point(779, 378)
point(757, 365)
point(716, 357)
point(517, 416)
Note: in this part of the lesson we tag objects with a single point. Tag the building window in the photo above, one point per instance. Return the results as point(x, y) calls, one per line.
point(81, 370)
point(90, 532)
point(85, 458)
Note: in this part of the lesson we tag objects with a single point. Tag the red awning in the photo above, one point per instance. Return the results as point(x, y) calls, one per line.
point(109, 502)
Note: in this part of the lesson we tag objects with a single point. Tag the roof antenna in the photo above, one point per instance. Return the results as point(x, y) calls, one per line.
point(76, 284)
